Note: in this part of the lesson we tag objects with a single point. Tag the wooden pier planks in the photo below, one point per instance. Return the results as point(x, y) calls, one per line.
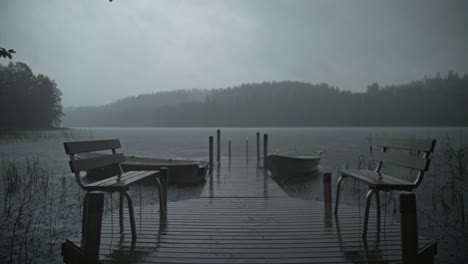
point(250, 230)
point(243, 216)
point(241, 181)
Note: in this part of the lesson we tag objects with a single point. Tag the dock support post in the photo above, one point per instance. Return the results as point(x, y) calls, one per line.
point(327, 192)
point(218, 142)
point(408, 227)
point(247, 149)
point(258, 149)
point(211, 153)
point(265, 150)
point(165, 187)
point(229, 148)
point(327, 198)
point(92, 228)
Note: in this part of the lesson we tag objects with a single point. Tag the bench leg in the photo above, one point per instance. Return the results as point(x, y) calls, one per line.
point(366, 214)
point(131, 213)
point(161, 197)
point(162, 184)
point(121, 206)
point(338, 189)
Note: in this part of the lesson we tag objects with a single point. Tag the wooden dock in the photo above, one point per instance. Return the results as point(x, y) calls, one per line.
point(243, 216)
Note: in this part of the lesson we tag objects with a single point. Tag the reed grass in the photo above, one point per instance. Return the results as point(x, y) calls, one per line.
point(39, 209)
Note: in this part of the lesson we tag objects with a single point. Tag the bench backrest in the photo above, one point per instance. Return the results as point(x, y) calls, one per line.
point(423, 147)
point(82, 164)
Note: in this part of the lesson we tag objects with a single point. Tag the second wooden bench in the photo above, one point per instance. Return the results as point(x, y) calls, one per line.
point(378, 181)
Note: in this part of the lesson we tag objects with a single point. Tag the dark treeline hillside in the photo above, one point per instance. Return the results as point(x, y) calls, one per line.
point(28, 101)
point(437, 101)
point(131, 111)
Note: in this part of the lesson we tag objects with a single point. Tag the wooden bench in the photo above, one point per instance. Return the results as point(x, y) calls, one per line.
point(378, 181)
point(114, 183)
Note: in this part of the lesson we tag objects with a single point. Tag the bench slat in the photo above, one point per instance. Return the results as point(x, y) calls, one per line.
point(97, 162)
point(374, 180)
point(408, 144)
point(111, 179)
point(92, 145)
point(126, 179)
point(406, 161)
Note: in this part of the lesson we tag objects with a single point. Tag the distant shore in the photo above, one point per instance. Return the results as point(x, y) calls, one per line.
point(5, 131)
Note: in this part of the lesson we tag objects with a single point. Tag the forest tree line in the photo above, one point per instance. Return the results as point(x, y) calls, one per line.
point(435, 101)
point(28, 101)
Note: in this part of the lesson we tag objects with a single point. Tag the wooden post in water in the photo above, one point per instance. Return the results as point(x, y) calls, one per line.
point(165, 187)
point(218, 138)
point(211, 153)
point(229, 149)
point(247, 148)
point(327, 191)
point(258, 149)
point(327, 198)
point(92, 231)
point(265, 150)
point(408, 227)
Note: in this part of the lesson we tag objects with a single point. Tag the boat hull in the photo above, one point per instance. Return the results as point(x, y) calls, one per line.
point(286, 166)
point(181, 172)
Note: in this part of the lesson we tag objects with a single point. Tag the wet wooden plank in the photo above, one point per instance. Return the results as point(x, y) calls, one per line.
point(262, 231)
point(408, 144)
point(96, 162)
point(89, 146)
point(241, 182)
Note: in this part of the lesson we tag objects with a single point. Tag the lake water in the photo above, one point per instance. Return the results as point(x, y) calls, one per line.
point(343, 147)
point(340, 145)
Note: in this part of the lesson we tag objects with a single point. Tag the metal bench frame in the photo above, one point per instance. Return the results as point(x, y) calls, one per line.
point(117, 183)
point(378, 181)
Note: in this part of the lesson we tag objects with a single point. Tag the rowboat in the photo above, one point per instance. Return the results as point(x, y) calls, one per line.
point(180, 171)
point(285, 165)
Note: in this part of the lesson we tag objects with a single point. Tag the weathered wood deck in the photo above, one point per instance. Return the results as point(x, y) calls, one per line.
point(242, 216)
point(241, 180)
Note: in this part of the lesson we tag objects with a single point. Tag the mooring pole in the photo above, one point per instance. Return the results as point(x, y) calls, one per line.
point(229, 148)
point(218, 138)
point(211, 153)
point(327, 191)
point(408, 227)
point(247, 148)
point(165, 187)
point(327, 198)
point(258, 149)
point(265, 150)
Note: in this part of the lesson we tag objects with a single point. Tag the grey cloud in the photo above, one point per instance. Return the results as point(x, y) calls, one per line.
point(99, 51)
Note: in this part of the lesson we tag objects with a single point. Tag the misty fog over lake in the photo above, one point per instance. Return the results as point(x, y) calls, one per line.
point(317, 76)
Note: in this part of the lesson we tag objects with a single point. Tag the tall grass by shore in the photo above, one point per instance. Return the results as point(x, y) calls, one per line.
point(39, 209)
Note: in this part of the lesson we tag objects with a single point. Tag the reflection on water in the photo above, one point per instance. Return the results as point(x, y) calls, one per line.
point(121, 251)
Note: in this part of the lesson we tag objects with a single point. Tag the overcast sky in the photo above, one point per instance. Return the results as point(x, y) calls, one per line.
point(99, 51)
